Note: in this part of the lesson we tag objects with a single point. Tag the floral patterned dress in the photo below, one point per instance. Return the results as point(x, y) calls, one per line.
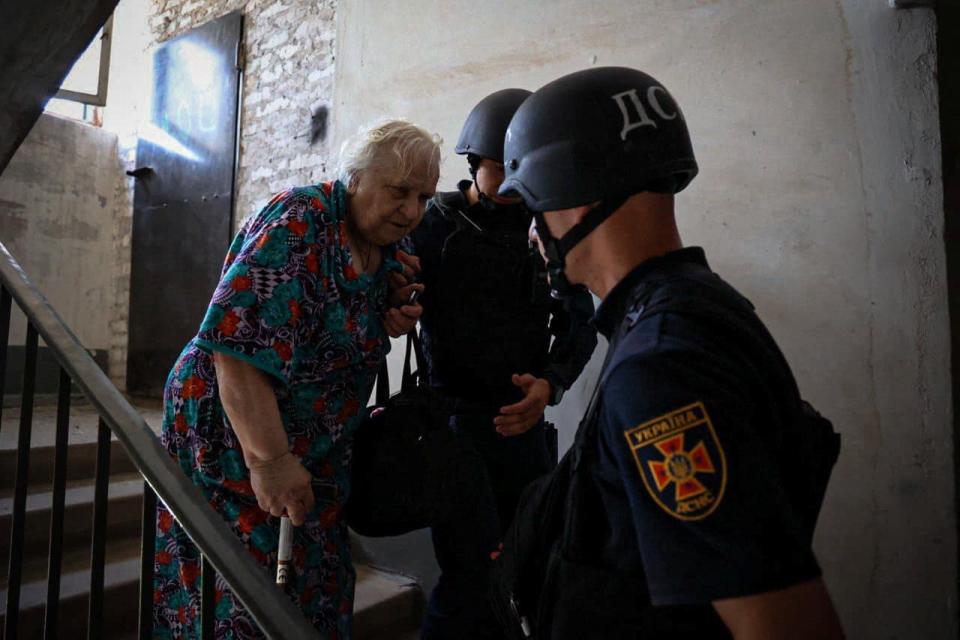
point(290, 304)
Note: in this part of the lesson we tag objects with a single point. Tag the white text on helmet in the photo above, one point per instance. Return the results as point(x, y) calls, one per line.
point(638, 117)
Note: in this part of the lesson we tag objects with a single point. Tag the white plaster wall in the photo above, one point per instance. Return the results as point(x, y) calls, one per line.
point(57, 214)
point(816, 127)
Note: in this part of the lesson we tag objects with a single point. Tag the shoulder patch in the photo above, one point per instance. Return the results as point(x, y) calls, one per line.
point(681, 461)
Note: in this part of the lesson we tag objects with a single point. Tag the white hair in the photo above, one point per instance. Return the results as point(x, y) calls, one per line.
point(414, 148)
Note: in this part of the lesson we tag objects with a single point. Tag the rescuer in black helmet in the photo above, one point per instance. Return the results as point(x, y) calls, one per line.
point(695, 480)
point(499, 350)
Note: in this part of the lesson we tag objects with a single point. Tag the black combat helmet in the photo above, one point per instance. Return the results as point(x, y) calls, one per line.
point(482, 133)
point(596, 134)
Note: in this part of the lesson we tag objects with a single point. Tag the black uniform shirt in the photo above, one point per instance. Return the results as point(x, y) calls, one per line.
point(574, 335)
point(687, 471)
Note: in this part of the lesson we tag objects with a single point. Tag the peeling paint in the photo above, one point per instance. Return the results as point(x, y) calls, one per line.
point(13, 226)
point(56, 218)
point(68, 230)
point(895, 104)
point(873, 426)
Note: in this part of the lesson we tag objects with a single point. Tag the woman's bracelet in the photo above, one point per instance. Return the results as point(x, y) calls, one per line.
point(260, 464)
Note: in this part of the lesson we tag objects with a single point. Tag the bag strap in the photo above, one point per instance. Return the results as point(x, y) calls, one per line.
point(383, 384)
point(586, 426)
point(639, 307)
point(450, 201)
point(415, 378)
point(410, 380)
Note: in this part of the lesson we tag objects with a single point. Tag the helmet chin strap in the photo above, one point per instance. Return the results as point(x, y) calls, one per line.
point(556, 250)
point(488, 203)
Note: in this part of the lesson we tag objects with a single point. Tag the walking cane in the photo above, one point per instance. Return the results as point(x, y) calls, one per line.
point(284, 550)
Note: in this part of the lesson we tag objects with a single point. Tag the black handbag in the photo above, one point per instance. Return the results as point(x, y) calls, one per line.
point(409, 471)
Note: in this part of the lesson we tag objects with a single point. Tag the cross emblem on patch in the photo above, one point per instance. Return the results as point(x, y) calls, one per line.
point(681, 461)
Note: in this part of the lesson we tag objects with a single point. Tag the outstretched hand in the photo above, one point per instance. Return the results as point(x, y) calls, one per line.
point(519, 417)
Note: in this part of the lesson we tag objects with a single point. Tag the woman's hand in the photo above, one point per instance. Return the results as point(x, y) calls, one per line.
point(282, 485)
point(411, 269)
point(400, 320)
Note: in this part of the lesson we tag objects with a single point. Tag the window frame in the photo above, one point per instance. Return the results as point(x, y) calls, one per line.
point(98, 99)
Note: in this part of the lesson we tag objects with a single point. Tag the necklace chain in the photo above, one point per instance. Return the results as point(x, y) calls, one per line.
point(365, 259)
point(364, 256)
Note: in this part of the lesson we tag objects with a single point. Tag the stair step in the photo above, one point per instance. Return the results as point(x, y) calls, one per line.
point(47, 487)
point(386, 605)
point(76, 560)
point(81, 464)
point(81, 456)
point(120, 594)
point(83, 422)
point(124, 514)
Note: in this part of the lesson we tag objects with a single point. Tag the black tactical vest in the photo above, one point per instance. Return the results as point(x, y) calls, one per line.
point(492, 307)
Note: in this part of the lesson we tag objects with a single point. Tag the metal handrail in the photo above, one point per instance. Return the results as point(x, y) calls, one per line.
point(277, 615)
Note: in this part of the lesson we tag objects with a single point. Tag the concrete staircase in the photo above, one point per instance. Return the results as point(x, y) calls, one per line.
point(387, 605)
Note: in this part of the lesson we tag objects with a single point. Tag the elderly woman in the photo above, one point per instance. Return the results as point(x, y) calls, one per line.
point(261, 406)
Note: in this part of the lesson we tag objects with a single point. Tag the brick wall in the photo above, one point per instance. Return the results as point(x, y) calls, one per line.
point(122, 231)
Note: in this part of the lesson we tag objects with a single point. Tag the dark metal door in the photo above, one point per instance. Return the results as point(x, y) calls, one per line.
point(183, 201)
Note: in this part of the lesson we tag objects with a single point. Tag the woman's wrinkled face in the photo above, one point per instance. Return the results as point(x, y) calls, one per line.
point(386, 205)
